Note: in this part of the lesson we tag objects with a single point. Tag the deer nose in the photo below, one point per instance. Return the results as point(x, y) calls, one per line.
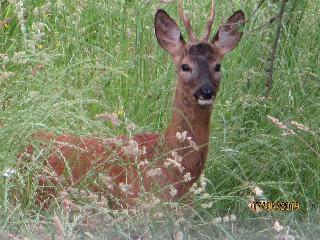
point(205, 92)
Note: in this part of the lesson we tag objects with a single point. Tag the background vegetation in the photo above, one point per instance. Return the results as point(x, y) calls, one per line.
point(64, 62)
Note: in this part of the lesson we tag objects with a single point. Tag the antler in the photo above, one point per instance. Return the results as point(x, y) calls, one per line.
point(207, 31)
point(186, 21)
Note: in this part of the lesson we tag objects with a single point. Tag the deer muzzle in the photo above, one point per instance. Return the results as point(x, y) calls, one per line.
point(205, 94)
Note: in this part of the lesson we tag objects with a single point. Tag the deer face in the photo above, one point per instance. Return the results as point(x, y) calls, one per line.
point(198, 63)
point(199, 73)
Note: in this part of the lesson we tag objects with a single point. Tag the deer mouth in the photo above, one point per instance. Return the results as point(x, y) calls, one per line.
point(202, 101)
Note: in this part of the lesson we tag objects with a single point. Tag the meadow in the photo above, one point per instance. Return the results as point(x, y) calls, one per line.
point(63, 63)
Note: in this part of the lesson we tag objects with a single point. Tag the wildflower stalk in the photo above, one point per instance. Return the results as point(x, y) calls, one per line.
point(22, 21)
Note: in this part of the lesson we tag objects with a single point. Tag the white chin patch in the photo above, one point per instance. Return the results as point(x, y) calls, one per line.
point(205, 102)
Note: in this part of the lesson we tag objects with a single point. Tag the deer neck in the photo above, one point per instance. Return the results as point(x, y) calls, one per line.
point(188, 116)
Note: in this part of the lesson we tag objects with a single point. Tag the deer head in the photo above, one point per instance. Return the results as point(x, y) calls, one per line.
point(198, 63)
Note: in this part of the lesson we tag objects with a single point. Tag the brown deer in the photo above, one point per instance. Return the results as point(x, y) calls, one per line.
point(171, 162)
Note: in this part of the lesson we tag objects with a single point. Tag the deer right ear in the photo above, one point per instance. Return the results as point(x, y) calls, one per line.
point(168, 33)
point(229, 34)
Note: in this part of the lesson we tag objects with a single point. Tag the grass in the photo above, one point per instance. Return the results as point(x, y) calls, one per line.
point(102, 56)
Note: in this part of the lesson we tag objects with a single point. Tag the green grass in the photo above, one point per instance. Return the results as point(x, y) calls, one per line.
point(102, 56)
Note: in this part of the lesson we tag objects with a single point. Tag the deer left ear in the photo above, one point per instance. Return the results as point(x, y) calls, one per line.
point(168, 33)
point(229, 34)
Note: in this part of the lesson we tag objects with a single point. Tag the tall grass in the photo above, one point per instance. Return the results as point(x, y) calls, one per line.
point(64, 62)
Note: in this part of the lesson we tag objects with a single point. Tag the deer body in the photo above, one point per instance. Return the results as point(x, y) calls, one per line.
point(171, 162)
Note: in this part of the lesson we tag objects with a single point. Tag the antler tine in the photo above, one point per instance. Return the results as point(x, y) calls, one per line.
point(207, 31)
point(186, 22)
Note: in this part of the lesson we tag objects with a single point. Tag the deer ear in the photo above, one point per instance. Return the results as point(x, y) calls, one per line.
point(168, 33)
point(229, 34)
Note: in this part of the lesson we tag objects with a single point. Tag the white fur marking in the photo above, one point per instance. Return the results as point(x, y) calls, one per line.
point(205, 102)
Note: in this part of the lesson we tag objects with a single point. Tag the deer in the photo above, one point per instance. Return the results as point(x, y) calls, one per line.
point(170, 162)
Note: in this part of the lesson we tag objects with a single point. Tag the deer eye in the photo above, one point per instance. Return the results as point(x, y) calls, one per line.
point(185, 68)
point(217, 68)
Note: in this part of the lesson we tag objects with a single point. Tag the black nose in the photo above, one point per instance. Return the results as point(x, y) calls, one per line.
point(206, 91)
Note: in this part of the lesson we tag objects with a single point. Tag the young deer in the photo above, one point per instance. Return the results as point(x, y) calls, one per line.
point(172, 162)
